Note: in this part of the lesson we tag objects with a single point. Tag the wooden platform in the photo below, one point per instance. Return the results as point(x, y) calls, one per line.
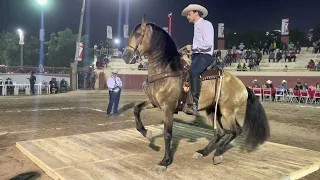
point(124, 154)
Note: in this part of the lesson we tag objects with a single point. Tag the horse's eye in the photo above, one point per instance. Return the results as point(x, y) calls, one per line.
point(138, 35)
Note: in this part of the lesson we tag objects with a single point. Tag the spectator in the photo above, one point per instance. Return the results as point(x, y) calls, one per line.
point(318, 86)
point(283, 85)
point(272, 56)
point(239, 67)
point(318, 66)
point(140, 67)
point(269, 84)
point(255, 84)
point(298, 86)
point(279, 56)
point(298, 48)
point(285, 69)
point(244, 67)
point(311, 65)
point(290, 46)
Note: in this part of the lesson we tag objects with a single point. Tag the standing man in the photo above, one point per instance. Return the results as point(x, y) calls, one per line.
point(114, 84)
point(32, 81)
point(202, 49)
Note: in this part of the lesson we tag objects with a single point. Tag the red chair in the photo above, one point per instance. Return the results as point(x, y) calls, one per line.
point(257, 92)
point(267, 93)
point(315, 97)
point(304, 94)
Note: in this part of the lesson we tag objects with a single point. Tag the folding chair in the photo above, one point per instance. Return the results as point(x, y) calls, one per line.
point(293, 96)
point(316, 97)
point(281, 94)
point(304, 94)
point(257, 92)
point(267, 93)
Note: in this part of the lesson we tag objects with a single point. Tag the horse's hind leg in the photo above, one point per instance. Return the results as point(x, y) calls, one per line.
point(232, 129)
point(140, 127)
point(218, 133)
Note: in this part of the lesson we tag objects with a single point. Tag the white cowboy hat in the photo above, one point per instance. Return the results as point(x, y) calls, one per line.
point(269, 82)
point(195, 7)
point(255, 80)
point(283, 81)
point(114, 72)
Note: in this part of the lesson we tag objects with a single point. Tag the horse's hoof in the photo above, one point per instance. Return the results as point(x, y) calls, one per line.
point(197, 155)
point(217, 160)
point(160, 169)
point(149, 135)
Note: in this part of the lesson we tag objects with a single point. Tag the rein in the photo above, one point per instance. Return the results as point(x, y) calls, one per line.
point(136, 52)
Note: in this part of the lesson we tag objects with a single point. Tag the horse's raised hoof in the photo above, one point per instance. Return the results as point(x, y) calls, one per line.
point(197, 155)
point(149, 135)
point(217, 160)
point(160, 169)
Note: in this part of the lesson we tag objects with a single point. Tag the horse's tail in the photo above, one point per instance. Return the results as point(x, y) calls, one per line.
point(256, 128)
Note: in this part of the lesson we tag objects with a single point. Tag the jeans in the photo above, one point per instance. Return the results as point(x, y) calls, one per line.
point(113, 101)
point(200, 62)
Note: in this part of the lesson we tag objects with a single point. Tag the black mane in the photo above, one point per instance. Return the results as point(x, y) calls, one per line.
point(163, 49)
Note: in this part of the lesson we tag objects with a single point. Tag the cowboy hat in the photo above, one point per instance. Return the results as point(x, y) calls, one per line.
point(255, 80)
point(114, 72)
point(195, 7)
point(269, 82)
point(283, 81)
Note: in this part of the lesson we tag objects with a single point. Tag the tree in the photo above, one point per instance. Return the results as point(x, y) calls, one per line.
point(62, 48)
point(10, 49)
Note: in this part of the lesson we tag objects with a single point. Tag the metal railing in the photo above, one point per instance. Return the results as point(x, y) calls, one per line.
point(28, 69)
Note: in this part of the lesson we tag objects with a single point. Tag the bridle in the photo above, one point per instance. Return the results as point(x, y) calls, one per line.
point(136, 52)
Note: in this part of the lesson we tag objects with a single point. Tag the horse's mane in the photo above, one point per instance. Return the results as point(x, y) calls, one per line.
point(163, 49)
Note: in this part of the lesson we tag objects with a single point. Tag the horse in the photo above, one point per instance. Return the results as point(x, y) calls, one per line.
point(166, 78)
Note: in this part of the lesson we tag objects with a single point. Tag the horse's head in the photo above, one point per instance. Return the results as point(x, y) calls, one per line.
point(139, 42)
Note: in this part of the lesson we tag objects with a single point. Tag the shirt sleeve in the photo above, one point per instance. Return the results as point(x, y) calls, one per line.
point(208, 35)
point(110, 83)
point(120, 83)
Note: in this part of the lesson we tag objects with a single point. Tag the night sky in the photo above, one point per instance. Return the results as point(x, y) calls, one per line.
point(238, 15)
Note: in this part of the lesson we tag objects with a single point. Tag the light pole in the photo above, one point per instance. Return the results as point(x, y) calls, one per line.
point(42, 31)
point(21, 42)
point(74, 66)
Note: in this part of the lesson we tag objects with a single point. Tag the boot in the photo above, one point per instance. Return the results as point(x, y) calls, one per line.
point(195, 91)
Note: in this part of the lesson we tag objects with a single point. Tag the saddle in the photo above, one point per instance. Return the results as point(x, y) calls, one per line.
point(212, 72)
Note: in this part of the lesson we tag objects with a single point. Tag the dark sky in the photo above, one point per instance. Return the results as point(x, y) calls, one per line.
point(238, 15)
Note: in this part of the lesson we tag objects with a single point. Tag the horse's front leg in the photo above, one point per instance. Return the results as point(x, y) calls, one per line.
point(140, 127)
point(167, 133)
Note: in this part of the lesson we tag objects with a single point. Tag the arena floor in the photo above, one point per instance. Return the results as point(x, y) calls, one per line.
point(36, 117)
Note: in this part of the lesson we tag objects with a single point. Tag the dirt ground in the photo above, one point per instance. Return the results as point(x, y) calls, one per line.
point(33, 117)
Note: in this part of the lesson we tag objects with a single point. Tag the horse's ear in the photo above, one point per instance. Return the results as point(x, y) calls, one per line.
point(144, 21)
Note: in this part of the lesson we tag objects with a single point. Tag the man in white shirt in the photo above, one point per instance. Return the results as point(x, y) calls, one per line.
point(202, 49)
point(114, 84)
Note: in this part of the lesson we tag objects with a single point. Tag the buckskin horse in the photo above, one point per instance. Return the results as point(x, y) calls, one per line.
point(167, 74)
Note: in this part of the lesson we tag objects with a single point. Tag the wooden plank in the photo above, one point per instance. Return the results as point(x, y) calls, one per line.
point(124, 154)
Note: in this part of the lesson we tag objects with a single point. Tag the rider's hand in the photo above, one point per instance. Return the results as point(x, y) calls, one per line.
point(189, 47)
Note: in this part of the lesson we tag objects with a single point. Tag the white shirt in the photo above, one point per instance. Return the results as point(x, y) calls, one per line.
point(203, 37)
point(112, 81)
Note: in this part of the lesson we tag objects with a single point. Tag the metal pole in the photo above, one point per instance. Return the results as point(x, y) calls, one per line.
point(21, 63)
point(74, 65)
point(170, 24)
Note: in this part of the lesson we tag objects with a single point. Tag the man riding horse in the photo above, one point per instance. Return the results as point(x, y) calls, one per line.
point(202, 49)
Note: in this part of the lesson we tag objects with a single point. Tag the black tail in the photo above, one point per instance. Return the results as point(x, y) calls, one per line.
point(256, 128)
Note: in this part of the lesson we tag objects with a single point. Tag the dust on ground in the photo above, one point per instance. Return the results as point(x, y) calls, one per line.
point(34, 117)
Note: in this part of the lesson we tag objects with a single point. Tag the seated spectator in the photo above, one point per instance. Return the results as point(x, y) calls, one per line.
point(311, 65)
point(255, 84)
point(293, 56)
point(269, 84)
point(298, 48)
point(290, 46)
point(318, 86)
point(63, 85)
point(318, 66)
point(53, 86)
point(272, 56)
point(279, 56)
point(305, 86)
point(244, 67)
point(239, 68)
point(285, 69)
point(283, 85)
point(298, 86)
point(140, 67)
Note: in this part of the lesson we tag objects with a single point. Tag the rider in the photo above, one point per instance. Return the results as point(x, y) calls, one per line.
point(202, 49)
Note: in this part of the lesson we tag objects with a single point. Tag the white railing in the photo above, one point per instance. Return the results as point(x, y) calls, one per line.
point(16, 87)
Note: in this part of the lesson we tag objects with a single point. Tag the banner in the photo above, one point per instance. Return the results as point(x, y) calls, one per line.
point(109, 32)
point(126, 31)
point(79, 51)
point(285, 27)
point(221, 30)
point(21, 35)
